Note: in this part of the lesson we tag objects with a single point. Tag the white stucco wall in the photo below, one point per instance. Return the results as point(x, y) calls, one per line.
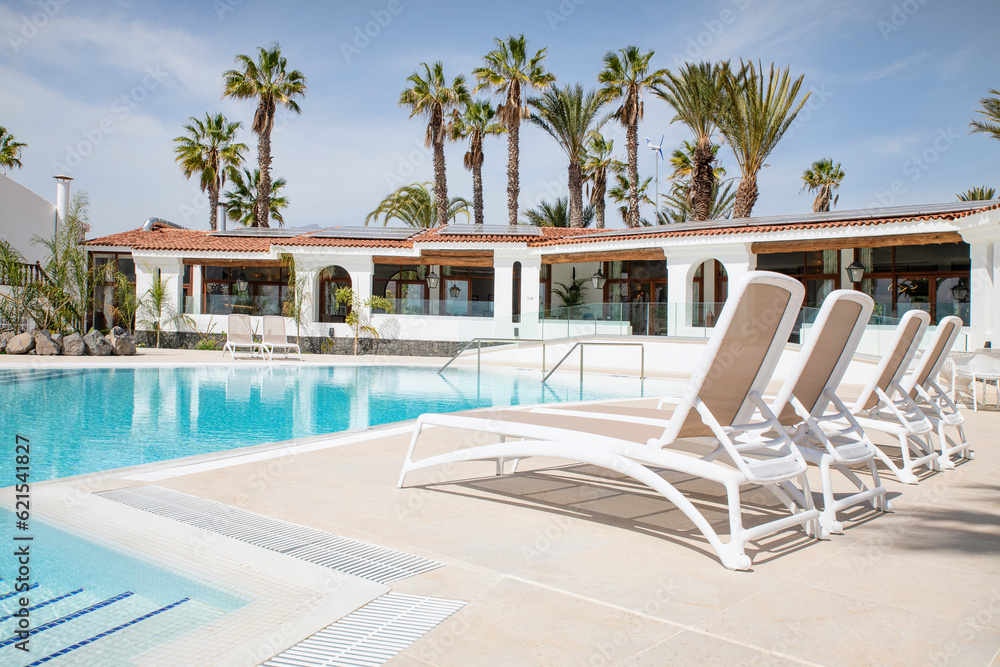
point(23, 215)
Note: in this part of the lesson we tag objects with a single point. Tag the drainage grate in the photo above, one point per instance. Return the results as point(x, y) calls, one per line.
point(371, 635)
point(360, 559)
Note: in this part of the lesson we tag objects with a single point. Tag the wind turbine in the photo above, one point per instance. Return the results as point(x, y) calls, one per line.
point(656, 148)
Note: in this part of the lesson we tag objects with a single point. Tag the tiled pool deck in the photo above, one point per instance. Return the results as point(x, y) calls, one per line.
point(571, 565)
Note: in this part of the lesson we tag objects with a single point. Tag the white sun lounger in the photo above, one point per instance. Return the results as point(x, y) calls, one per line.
point(239, 334)
point(830, 440)
point(720, 402)
point(885, 406)
point(934, 401)
point(821, 424)
point(274, 337)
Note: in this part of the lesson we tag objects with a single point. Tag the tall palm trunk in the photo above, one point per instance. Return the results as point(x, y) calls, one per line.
point(477, 191)
point(702, 180)
point(822, 202)
point(746, 197)
point(632, 139)
point(440, 179)
point(213, 202)
point(264, 185)
point(575, 194)
point(513, 167)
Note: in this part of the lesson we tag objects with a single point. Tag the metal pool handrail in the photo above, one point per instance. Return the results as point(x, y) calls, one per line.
point(581, 344)
point(479, 349)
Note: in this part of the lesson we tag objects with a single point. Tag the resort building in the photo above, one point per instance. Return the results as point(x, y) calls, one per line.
point(459, 282)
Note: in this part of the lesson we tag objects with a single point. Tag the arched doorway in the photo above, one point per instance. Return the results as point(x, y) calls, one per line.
point(709, 291)
point(331, 279)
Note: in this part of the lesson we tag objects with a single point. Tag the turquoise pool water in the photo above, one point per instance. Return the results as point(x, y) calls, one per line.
point(91, 605)
point(86, 420)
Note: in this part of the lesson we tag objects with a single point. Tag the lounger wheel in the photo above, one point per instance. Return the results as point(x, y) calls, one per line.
point(737, 562)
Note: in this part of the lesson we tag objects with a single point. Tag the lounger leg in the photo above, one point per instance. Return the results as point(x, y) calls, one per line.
point(733, 553)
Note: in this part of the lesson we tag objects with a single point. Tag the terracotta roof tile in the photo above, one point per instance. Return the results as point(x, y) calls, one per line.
point(187, 240)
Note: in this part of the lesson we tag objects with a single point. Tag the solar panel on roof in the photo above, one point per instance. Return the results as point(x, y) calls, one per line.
point(265, 232)
point(491, 230)
point(803, 218)
point(367, 233)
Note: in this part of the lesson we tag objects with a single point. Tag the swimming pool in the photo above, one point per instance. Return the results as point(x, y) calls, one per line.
point(91, 605)
point(82, 420)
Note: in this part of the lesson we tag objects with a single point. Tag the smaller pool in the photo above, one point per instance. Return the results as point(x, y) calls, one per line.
point(91, 605)
point(84, 420)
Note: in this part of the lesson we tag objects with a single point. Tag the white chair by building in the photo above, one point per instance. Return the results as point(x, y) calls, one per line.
point(239, 333)
point(274, 337)
point(982, 366)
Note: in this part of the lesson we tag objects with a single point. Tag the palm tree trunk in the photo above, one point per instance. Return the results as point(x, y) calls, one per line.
point(575, 194)
point(213, 202)
point(632, 140)
point(599, 213)
point(746, 197)
point(440, 180)
point(822, 202)
point(264, 186)
point(513, 184)
point(477, 192)
point(702, 180)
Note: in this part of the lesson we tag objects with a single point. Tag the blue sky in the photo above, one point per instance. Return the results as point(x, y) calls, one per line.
point(100, 89)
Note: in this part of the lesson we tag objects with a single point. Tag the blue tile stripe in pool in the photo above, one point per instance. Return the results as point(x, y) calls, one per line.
point(13, 593)
point(70, 617)
point(104, 634)
point(47, 602)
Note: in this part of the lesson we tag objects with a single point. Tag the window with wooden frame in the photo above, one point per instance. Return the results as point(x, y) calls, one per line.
point(933, 277)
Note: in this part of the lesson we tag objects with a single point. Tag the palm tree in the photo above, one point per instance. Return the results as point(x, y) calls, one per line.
point(10, 151)
point(556, 214)
point(990, 110)
point(622, 194)
point(243, 200)
point(682, 160)
point(823, 176)
point(678, 204)
point(270, 83)
point(475, 123)
point(414, 205)
point(568, 115)
point(431, 97)
point(211, 150)
point(698, 95)
point(597, 162)
point(756, 116)
point(625, 76)
point(979, 193)
point(506, 71)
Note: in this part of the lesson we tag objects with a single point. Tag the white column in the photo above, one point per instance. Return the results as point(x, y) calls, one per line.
point(982, 293)
point(503, 296)
point(531, 305)
point(197, 280)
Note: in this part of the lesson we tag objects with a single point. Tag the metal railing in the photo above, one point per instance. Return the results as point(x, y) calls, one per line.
point(582, 344)
point(479, 349)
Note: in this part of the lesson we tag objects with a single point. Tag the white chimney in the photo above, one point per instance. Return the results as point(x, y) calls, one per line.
point(221, 224)
point(62, 195)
